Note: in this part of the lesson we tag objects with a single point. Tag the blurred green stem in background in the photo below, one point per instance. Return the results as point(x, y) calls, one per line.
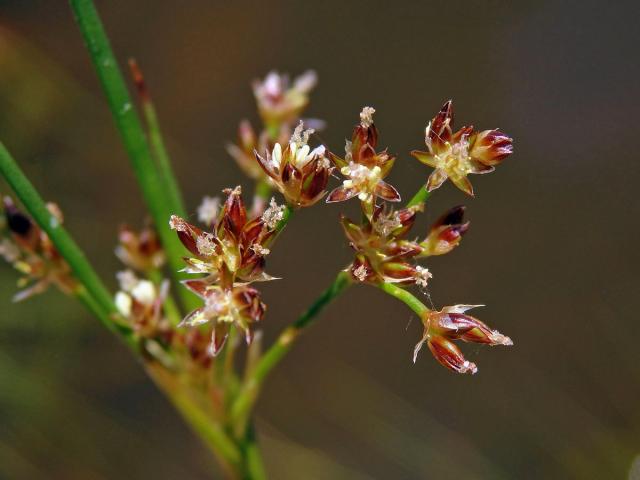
point(92, 292)
point(155, 138)
point(148, 172)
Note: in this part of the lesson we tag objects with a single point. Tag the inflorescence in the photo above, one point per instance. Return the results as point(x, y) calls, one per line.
point(227, 255)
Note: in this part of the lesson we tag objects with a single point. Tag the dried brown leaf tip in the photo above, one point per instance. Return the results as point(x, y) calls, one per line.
point(298, 172)
point(451, 323)
point(456, 155)
point(363, 168)
point(28, 248)
point(230, 255)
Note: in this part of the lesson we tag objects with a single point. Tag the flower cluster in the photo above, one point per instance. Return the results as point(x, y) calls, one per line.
point(230, 256)
point(364, 168)
point(451, 323)
point(381, 251)
point(280, 105)
point(299, 173)
point(384, 254)
point(25, 246)
point(456, 155)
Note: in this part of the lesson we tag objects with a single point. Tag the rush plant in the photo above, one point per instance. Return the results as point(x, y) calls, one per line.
point(189, 294)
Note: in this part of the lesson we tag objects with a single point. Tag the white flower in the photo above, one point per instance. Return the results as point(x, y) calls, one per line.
point(208, 210)
point(123, 303)
point(144, 292)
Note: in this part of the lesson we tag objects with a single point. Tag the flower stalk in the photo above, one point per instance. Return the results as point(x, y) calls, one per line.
point(405, 297)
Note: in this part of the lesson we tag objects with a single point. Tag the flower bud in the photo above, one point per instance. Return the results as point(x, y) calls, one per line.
point(301, 174)
point(451, 323)
point(449, 355)
point(363, 168)
point(446, 233)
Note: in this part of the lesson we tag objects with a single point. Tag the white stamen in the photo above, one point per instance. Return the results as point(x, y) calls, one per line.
point(205, 244)
point(360, 273)
point(301, 136)
point(260, 250)
point(273, 214)
point(366, 116)
point(422, 276)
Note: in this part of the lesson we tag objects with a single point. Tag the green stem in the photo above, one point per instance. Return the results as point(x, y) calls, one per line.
point(404, 296)
point(160, 205)
point(421, 196)
point(93, 293)
point(252, 458)
point(251, 387)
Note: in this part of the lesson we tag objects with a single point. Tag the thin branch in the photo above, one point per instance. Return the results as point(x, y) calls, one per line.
point(404, 296)
point(421, 196)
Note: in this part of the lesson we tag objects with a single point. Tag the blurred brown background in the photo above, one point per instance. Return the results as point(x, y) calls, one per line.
point(552, 250)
